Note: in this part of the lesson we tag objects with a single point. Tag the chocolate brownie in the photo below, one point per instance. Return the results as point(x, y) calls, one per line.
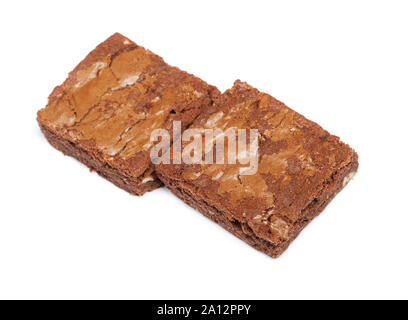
point(300, 168)
point(105, 111)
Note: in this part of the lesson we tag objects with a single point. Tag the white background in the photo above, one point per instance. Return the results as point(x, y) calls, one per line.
point(67, 233)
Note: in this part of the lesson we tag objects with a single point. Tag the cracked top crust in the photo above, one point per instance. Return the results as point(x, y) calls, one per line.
point(296, 160)
point(116, 96)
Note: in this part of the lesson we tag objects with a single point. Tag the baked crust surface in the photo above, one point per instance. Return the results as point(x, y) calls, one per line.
point(301, 167)
point(105, 111)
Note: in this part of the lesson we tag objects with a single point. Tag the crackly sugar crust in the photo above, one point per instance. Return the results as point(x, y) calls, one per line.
point(104, 112)
point(301, 168)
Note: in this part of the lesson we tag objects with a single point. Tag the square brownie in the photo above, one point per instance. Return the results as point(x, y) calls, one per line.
point(105, 111)
point(300, 168)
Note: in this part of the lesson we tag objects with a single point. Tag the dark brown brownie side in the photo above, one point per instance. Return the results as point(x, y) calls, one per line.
point(104, 112)
point(330, 188)
point(301, 169)
point(112, 174)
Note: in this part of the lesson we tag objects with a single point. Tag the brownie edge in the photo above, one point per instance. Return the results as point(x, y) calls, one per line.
point(242, 230)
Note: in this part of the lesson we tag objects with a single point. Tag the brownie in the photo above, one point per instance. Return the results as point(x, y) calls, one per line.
point(300, 168)
point(104, 112)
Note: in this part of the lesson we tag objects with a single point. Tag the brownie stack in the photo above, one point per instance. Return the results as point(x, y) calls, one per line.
point(107, 109)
